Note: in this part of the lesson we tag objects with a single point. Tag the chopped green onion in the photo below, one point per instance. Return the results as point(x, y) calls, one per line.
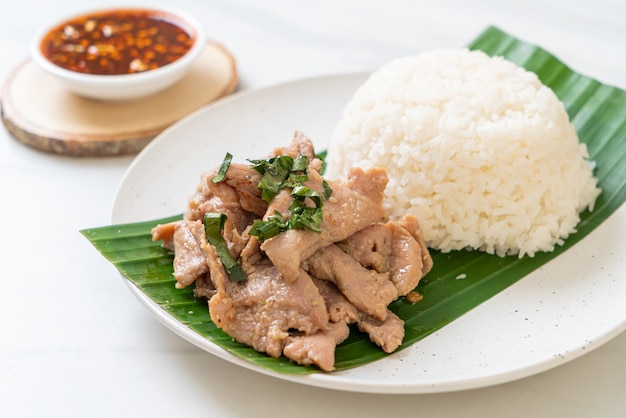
point(295, 178)
point(300, 163)
point(327, 190)
point(213, 227)
point(221, 173)
point(275, 172)
point(284, 172)
point(274, 225)
point(322, 156)
point(306, 217)
point(302, 191)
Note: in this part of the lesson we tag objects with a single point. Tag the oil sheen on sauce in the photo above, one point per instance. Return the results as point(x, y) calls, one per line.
point(117, 42)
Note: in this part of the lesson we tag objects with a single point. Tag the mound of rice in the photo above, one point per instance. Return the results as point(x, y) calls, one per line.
point(476, 147)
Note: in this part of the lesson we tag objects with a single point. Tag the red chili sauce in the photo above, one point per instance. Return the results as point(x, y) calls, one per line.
point(117, 42)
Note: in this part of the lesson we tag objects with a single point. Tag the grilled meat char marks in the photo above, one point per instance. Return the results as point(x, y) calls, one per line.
point(303, 288)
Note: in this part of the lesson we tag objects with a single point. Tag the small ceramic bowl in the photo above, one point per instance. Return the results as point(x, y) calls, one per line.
point(119, 53)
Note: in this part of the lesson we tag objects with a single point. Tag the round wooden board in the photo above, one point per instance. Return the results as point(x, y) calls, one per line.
point(38, 111)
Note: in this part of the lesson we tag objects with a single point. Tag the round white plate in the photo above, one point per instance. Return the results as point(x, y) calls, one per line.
point(565, 309)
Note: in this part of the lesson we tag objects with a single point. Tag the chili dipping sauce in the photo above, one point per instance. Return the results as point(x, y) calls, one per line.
point(117, 42)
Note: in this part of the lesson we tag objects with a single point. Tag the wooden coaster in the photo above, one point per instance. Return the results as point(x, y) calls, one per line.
point(38, 111)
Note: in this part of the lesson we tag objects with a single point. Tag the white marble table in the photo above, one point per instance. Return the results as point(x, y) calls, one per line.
point(75, 343)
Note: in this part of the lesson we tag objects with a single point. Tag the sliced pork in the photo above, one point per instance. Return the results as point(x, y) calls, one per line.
point(262, 311)
point(354, 205)
point(317, 348)
point(189, 260)
point(303, 289)
point(387, 333)
point(394, 248)
point(367, 289)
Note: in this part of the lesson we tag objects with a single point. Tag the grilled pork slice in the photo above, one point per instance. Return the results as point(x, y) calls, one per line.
point(300, 145)
point(388, 333)
point(409, 259)
point(237, 191)
point(318, 348)
point(353, 205)
point(396, 248)
point(183, 237)
point(367, 289)
point(237, 197)
point(262, 311)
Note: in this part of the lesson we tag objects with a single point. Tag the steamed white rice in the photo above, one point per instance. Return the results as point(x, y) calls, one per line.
point(476, 147)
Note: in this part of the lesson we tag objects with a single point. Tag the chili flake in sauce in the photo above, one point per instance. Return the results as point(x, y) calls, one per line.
point(117, 42)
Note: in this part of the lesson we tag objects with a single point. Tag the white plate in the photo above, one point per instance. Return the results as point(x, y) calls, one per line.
point(565, 309)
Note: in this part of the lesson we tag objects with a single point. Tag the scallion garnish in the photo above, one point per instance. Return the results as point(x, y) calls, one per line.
point(275, 172)
point(213, 227)
point(221, 173)
point(284, 172)
point(300, 163)
point(274, 225)
point(322, 156)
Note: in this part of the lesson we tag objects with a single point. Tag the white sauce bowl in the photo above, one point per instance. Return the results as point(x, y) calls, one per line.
point(123, 86)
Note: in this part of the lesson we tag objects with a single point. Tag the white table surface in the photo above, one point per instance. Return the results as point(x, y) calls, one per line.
point(74, 342)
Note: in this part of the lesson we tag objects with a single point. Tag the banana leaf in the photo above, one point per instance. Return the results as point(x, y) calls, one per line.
point(595, 109)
